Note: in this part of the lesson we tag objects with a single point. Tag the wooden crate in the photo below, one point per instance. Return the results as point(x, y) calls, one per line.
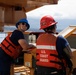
point(11, 16)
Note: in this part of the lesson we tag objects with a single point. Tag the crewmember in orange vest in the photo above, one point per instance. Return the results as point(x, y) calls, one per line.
point(53, 52)
point(12, 46)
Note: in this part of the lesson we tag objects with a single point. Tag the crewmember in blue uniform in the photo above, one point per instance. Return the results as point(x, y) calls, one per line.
point(12, 46)
point(53, 52)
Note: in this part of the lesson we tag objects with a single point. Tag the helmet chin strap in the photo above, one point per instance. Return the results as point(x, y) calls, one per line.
point(50, 31)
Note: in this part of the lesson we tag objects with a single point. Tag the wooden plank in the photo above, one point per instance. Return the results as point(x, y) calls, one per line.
point(67, 31)
point(14, 2)
point(1, 14)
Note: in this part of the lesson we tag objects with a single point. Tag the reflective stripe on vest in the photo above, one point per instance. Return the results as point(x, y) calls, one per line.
point(46, 47)
point(11, 49)
point(46, 51)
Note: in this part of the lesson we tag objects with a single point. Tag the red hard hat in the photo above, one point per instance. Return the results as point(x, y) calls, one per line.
point(47, 21)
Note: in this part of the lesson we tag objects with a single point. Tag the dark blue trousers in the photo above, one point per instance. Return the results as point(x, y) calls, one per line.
point(5, 63)
point(48, 71)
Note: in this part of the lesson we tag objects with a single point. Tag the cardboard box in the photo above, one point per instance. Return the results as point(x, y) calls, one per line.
point(28, 60)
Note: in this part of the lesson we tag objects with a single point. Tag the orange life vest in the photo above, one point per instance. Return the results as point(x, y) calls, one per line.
point(10, 49)
point(46, 53)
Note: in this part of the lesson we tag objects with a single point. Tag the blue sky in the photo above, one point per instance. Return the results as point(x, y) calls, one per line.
point(64, 13)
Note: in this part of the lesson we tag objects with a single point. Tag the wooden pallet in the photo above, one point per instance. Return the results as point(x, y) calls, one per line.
point(68, 31)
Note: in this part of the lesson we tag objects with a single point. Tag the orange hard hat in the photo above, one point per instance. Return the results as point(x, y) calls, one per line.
point(47, 21)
